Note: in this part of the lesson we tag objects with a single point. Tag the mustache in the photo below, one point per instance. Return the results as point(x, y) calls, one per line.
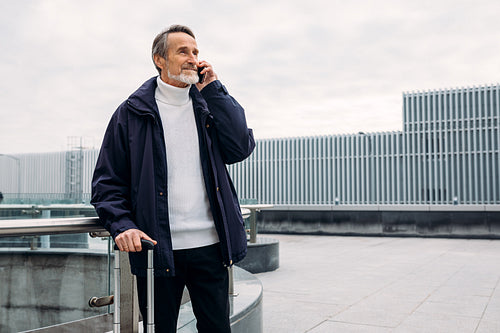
point(194, 68)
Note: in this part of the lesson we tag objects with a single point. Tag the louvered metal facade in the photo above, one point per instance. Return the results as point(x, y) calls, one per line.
point(447, 153)
point(48, 176)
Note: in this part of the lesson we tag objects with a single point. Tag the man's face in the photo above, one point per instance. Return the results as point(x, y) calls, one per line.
point(179, 69)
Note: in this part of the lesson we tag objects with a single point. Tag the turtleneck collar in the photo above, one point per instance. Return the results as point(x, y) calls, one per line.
point(169, 94)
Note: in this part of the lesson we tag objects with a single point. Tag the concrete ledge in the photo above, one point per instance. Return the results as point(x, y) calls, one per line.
point(263, 256)
point(439, 222)
point(343, 207)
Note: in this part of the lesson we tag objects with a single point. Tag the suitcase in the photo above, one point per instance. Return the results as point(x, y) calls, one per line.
point(150, 328)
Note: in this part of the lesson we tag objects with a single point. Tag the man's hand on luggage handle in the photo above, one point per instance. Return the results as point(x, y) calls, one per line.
point(130, 240)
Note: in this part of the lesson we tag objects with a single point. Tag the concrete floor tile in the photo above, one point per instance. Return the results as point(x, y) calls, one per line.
point(299, 316)
point(453, 309)
point(495, 298)
point(437, 323)
point(468, 289)
point(333, 326)
point(407, 293)
point(486, 326)
point(457, 297)
point(492, 313)
point(391, 304)
point(374, 317)
point(279, 329)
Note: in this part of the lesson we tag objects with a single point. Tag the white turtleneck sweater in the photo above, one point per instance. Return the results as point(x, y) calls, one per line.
point(190, 218)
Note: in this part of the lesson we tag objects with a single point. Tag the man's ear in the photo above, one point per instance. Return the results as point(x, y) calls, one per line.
point(160, 61)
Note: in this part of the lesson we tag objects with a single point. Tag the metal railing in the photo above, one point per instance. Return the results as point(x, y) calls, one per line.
point(56, 226)
point(91, 225)
point(250, 211)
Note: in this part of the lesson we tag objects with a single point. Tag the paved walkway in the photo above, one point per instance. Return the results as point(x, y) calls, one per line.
point(372, 284)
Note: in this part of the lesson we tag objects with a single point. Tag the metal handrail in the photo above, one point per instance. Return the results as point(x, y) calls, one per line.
point(253, 218)
point(55, 226)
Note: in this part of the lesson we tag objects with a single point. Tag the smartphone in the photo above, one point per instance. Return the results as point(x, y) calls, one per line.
point(201, 77)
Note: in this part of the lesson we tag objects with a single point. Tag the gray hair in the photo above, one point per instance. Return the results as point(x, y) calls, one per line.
point(160, 45)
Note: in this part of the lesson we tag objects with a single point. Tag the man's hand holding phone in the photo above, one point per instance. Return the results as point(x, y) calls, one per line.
point(206, 74)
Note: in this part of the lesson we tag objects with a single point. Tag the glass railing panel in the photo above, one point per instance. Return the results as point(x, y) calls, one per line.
point(48, 279)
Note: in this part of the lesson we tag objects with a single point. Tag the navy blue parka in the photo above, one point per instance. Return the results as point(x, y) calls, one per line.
point(129, 186)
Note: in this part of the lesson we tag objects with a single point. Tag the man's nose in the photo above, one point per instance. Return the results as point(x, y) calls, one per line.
point(193, 59)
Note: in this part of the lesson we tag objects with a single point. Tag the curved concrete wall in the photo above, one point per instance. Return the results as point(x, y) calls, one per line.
point(41, 288)
point(50, 287)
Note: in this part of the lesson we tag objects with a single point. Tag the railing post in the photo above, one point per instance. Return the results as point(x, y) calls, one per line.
point(231, 282)
point(45, 239)
point(253, 225)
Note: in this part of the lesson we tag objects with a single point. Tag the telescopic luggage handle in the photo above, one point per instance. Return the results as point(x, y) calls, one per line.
point(148, 245)
point(150, 328)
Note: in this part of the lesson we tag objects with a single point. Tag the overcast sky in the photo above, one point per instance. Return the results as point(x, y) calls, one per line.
point(299, 68)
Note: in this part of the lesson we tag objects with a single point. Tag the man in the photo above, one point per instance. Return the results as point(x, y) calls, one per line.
point(161, 175)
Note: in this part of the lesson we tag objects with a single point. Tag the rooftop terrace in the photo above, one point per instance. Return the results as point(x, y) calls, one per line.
point(383, 284)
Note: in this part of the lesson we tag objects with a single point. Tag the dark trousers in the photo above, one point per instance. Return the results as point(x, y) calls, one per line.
point(202, 271)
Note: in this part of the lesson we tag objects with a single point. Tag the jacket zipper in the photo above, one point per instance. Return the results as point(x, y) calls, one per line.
point(227, 262)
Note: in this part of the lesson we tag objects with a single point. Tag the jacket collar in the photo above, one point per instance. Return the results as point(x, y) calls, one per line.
point(143, 101)
point(199, 104)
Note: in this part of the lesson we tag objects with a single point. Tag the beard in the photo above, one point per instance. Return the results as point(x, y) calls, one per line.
point(186, 76)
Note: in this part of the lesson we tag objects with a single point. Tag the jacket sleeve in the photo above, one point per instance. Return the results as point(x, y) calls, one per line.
point(111, 180)
point(235, 138)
